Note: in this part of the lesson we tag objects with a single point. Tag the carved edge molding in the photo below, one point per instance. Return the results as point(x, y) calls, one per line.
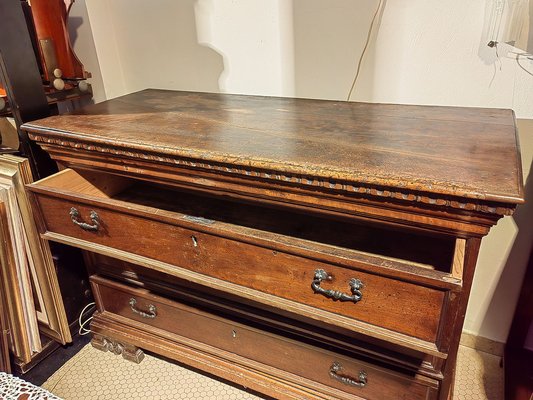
point(129, 352)
point(410, 195)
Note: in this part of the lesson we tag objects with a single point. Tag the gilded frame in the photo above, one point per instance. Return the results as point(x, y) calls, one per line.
point(55, 325)
point(10, 290)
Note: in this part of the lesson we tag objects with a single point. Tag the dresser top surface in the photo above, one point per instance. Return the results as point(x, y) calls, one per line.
point(449, 151)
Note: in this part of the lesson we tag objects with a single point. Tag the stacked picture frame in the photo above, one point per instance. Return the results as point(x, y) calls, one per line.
point(30, 289)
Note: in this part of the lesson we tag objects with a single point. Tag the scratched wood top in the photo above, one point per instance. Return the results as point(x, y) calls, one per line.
point(449, 151)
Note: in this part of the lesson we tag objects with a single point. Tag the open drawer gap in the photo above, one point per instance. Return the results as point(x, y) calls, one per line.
point(434, 252)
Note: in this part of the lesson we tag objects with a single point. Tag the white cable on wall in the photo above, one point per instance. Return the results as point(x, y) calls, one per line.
point(360, 63)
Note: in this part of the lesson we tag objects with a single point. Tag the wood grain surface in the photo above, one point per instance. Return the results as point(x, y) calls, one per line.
point(448, 151)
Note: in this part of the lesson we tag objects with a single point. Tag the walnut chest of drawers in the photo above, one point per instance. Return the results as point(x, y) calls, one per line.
point(304, 249)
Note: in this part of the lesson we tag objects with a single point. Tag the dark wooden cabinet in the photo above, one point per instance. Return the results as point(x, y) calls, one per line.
point(301, 248)
point(518, 356)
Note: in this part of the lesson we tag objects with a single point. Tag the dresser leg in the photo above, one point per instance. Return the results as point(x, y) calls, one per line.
point(132, 353)
point(128, 351)
point(452, 388)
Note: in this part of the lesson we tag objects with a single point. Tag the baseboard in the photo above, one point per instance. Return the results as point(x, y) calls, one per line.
point(482, 344)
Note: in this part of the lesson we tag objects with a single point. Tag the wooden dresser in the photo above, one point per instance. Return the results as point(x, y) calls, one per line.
point(304, 249)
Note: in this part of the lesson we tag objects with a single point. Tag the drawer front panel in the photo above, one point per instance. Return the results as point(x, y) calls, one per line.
point(403, 307)
point(169, 286)
point(319, 365)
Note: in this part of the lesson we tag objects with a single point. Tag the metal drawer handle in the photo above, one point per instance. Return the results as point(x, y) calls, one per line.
point(355, 285)
point(334, 373)
point(152, 312)
point(75, 216)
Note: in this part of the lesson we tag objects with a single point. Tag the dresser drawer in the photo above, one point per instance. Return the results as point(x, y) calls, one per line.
point(325, 278)
point(275, 352)
point(172, 287)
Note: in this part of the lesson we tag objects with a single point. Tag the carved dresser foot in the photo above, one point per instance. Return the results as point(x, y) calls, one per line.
point(128, 351)
point(132, 353)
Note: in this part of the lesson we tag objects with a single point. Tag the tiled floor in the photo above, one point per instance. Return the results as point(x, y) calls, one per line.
point(95, 375)
point(92, 374)
point(478, 376)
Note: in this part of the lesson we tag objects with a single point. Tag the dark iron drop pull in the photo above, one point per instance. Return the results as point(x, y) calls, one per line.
point(355, 285)
point(334, 373)
point(151, 313)
point(95, 219)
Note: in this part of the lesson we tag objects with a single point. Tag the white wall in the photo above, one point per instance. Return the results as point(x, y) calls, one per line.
point(425, 52)
point(435, 52)
point(83, 42)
